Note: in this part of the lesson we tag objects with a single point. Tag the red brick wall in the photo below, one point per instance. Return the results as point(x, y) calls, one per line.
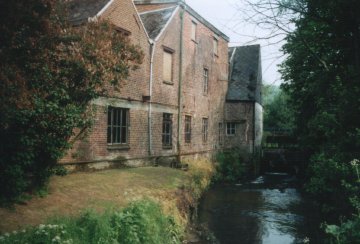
point(196, 57)
point(129, 95)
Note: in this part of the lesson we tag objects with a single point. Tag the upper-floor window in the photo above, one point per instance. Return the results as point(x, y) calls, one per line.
point(215, 46)
point(230, 129)
point(193, 30)
point(167, 130)
point(187, 128)
point(205, 81)
point(122, 31)
point(118, 126)
point(168, 66)
point(205, 126)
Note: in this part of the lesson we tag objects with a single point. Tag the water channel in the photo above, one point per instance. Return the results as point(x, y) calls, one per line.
point(268, 210)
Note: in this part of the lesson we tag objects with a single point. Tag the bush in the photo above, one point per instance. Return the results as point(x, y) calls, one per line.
point(333, 184)
point(230, 167)
point(141, 222)
point(347, 232)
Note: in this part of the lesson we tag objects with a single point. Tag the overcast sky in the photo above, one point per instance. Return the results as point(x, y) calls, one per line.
point(225, 15)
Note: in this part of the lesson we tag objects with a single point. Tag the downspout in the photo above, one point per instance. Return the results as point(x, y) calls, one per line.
point(180, 79)
point(152, 51)
point(254, 128)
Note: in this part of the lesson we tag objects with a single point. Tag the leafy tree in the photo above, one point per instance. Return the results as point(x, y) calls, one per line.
point(277, 112)
point(49, 72)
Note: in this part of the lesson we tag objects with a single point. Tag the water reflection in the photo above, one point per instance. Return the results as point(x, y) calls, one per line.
point(268, 210)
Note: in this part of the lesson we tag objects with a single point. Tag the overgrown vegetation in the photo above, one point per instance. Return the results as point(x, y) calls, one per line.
point(230, 168)
point(321, 76)
point(278, 115)
point(141, 222)
point(49, 72)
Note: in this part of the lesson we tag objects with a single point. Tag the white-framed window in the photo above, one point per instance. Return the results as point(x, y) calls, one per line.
point(230, 128)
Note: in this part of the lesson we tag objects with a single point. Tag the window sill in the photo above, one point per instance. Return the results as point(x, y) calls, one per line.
point(167, 147)
point(168, 82)
point(118, 147)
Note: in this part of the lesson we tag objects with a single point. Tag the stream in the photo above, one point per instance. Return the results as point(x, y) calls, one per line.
point(269, 210)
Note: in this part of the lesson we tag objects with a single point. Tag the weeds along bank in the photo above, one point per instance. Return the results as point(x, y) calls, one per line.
point(157, 207)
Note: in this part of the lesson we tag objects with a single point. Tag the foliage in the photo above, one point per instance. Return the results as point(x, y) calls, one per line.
point(334, 184)
point(230, 166)
point(141, 222)
point(346, 233)
point(322, 74)
point(277, 112)
point(49, 72)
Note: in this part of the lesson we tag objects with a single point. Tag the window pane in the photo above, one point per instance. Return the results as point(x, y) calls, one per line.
point(167, 66)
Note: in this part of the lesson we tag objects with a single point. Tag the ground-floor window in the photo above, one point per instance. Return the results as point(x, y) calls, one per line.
point(230, 129)
point(221, 134)
point(167, 131)
point(187, 129)
point(118, 126)
point(205, 126)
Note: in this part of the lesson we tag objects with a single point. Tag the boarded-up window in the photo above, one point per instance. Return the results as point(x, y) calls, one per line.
point(215, 44)
point(193, 30)
point(167, 66)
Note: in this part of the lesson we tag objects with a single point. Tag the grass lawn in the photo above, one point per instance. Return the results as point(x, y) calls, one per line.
point(74, 193)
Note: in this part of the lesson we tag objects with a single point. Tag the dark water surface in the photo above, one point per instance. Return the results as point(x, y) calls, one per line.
point(268, 210)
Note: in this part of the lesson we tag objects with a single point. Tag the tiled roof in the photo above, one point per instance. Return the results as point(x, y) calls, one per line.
point(245, 75)
point(155, 21)
point(79, 11)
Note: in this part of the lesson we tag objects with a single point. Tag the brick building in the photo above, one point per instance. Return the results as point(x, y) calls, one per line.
point(173, 106)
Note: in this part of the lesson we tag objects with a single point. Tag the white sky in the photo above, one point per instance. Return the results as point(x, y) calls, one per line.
point(225, 15)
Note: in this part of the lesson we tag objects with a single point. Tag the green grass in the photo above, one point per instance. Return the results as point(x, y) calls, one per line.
point(141, 222)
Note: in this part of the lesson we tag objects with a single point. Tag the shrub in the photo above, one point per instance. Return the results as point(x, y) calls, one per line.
point(230, 166)
point(333, 184)
point(142, 222)
point(346, 233)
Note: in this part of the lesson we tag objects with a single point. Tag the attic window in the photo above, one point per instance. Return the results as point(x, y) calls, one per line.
point(122, 31)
